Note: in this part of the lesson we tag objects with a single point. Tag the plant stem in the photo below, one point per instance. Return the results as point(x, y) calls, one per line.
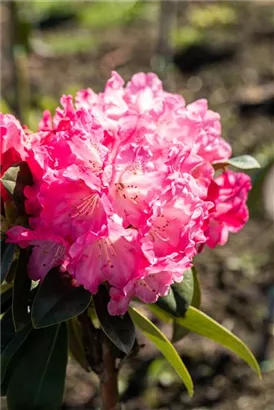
point(101, 360)
point(109, 379)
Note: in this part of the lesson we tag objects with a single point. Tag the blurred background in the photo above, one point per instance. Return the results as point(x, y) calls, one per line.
point(222, 51)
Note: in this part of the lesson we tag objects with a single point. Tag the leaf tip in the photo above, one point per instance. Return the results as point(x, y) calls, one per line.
point(190, 391)
point(256, 367)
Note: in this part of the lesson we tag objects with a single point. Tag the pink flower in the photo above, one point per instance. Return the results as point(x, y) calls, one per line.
point(123, 189)
point(205, 127)
point(113, 255)
point(12, 134)
point(229, 193)
point(49, 250)
point(12, 145)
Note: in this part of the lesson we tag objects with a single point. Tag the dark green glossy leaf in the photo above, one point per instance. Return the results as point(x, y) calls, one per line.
point(10, 344)
point(178, 331)
point(6, 297)
point(164, 345)
point(11, 274)
point(15, 179)
point(179, 297)
point(198, 322)
point(7, 333)
point(21, 292)
point(12, 347)
point(58, 300)
point(7, 329)
point(7, 254)
point(3, 245)
point(120, 330)
point(38, 377)
point(75, 342)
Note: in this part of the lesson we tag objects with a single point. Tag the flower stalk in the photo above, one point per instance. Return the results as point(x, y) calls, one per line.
point(101, 360)
point(109, 379)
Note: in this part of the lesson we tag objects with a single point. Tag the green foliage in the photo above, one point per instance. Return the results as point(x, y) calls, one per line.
point(37, 9)
point(58, 300)
point(196, 297)
point(101, 14)
point(258, 179)
point(198, 322)
point(179, 297)
point(75, 342)
point(120, 330)
point(65, 44)
point(4, 107)
point(164, 345)
point(184, 37)
point(47, 102)
point(244, 162)
point(178, 331)
point(7, 334)
point(6, 297)
point(15, 179)
point(21, 292)
point(241, 162)
point(38, 376)
point(7, 329)
point(7, 256)
point(12, 347)
point(211, 15)
point(10, 344)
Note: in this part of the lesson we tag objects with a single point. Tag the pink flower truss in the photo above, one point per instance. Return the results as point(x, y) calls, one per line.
point(229, 193)
point(124, 189)
point(12, 145)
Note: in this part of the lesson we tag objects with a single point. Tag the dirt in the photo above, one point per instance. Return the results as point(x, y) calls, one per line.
point(237, 280)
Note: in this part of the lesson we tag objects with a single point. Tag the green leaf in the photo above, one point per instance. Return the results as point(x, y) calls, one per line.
point(7, 257)
point(9, 178)
point(38, 377)
point(180, 296)
point(198, 322)
point(12, 347)
point(120, 330)
point(164, 345)
point(256, 194)
point(11, 274)
point(10, 344)
point(15, 179)
point(4, 387)
point(196, 297)
point(21, 293)
point(7, 329)
point(5, 287)
point(242, 162)
point(178, 331)
point(7, 333)
point(75, 342)
point(161, 314)
point(58, 300)
point(6, 297)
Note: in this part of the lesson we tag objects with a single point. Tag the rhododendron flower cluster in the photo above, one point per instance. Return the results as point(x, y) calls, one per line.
point(124, 190)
